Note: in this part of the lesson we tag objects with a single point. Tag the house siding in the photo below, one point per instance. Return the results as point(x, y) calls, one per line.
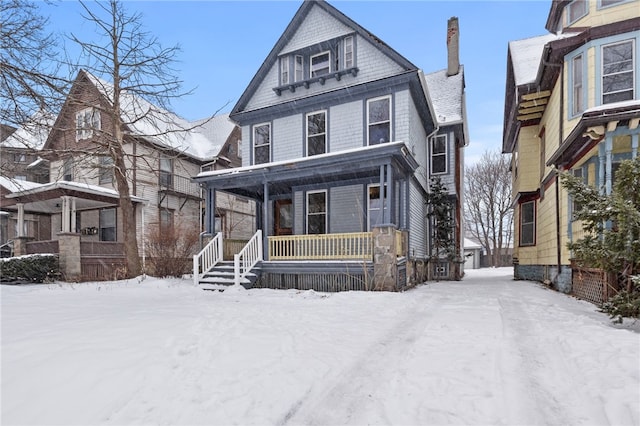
point(371, 62)
point(346, 126)
point(417, 223)
point(346, 203)
point(287, 137)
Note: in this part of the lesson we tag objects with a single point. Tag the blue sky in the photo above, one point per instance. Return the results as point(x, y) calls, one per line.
point(223, 43)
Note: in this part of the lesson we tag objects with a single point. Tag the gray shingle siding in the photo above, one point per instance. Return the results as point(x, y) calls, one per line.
point(417, 221)
point(288, 139)
point(345, 126)
point(346, 202)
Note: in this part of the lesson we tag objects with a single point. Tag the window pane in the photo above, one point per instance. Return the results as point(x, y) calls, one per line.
point(527, 212)
point(379, 110)
point(348, 52)
point(577, 85)
point(316, 134)
point(261, 135)
point(617, 72)
point(379, 133)
point(262, 154)
point(577, 9)
point(284, 70)
point(316, 145)
point(438, 164)
point(526, 236)
point(298, 68)
point(316, 123)
point(316, 202)
point(316, 224)
point(440, 145)
point(320, 65)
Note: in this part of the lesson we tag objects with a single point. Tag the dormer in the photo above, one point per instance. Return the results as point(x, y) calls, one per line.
point(331, 59)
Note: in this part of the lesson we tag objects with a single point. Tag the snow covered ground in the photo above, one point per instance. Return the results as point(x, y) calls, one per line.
point(486, 350)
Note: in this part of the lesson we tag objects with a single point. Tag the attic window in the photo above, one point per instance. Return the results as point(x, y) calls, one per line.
point(320, 64)
point(576, 10)
point(87, 120)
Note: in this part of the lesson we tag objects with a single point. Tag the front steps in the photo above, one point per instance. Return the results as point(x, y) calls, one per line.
point(221, 276)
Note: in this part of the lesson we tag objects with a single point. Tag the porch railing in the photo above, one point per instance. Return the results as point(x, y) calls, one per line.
point(37, 247)
point(208, 257)
point(248, 257)
point(354, 245)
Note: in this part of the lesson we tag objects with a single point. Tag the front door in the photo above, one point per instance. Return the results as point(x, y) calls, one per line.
point(283, 217)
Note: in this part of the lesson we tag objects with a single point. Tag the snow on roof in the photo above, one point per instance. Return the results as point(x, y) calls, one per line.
point(621, 104)
point(33, 134)
point(15, 185)
point(470, 244)
point(217, 130)
point(526, 55)
point(163, 127)
point(34, 188)
point(446, 94)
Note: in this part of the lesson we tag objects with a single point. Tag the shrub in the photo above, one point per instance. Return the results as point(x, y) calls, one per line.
point(170, 250)
point(36, 268)
point(624, 304)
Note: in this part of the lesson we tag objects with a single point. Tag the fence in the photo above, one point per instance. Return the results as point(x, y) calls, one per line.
point(593, 285)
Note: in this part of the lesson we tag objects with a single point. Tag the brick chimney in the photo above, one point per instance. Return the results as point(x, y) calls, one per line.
point(453, 47)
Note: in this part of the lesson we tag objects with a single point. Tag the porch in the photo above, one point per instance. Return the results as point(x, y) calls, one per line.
point(329, 262)
point(79, 244)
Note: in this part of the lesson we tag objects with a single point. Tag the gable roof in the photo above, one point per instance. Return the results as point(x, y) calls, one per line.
point(291, 29)
point(526, 55)
point(199, 139)
point(447, 96)
point(32, 135)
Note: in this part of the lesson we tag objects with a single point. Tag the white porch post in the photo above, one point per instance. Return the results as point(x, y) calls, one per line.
point(601, 168)
point(608, 151)
point(73, 214)
point(66, 214)
point(634, 145)
point(265, 220)
point(20, 230)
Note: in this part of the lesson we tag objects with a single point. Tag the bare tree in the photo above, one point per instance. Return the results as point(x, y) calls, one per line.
point(29, 64)
point(142, 83)
point(488, 212)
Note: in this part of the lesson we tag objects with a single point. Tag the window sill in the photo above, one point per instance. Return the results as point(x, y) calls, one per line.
point(322, 79)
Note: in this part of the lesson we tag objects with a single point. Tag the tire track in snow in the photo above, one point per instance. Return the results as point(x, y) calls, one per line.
point(350, 394)
point(541, 387)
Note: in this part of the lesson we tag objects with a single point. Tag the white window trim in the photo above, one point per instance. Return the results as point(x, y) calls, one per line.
point(617, 3)
point(385, 203)
point(633, 71)
point(349, 41)
point(284, 70)
point(326, 213)
point(298, 67)
point(582, 106)
point(86, 129)
point(445, 154)
point(311, 69)
point(369, 124)
point(253, 141)
point(323, 111)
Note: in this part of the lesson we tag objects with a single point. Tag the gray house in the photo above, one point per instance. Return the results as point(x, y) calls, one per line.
point(341, 135)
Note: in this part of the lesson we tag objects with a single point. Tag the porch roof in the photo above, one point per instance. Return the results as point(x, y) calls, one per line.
point(45, 198)
point(329, 167)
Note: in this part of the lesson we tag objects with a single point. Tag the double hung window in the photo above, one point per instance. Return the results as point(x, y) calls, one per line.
point(262, 143)
point(166, 171)
point(577, 91)
point(317, 212)
point(320, 64)
point(108, 224)
point(284, 70)
point(87, 120)
point(617, 72)
point(348, 52)
point(576, 10)
point(67, 170)
point(527, 223)
point(379, 120)
point(316, 133)
point(439, 154)
point(106, 169)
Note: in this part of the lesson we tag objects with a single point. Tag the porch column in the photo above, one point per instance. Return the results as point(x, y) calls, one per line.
point(73, 214)
point(385, 265)
point(634, 145)
point(601, 168)
point(20, 230)
point(66, 214)
point(389, 213)
point(608, 150)
point(265, 221)
point(210, 211)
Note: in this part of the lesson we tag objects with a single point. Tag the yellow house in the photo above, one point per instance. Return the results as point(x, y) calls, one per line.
point(571, 104)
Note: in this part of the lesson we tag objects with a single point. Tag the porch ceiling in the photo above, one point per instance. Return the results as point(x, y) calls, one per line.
point(325, 168)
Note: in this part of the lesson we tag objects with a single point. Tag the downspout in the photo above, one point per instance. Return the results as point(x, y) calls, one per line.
point(560, 139)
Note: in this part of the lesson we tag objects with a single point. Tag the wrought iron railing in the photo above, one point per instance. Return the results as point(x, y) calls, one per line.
point(178, 184)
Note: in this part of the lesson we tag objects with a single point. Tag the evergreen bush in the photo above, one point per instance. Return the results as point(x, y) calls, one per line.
point(37, 268)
